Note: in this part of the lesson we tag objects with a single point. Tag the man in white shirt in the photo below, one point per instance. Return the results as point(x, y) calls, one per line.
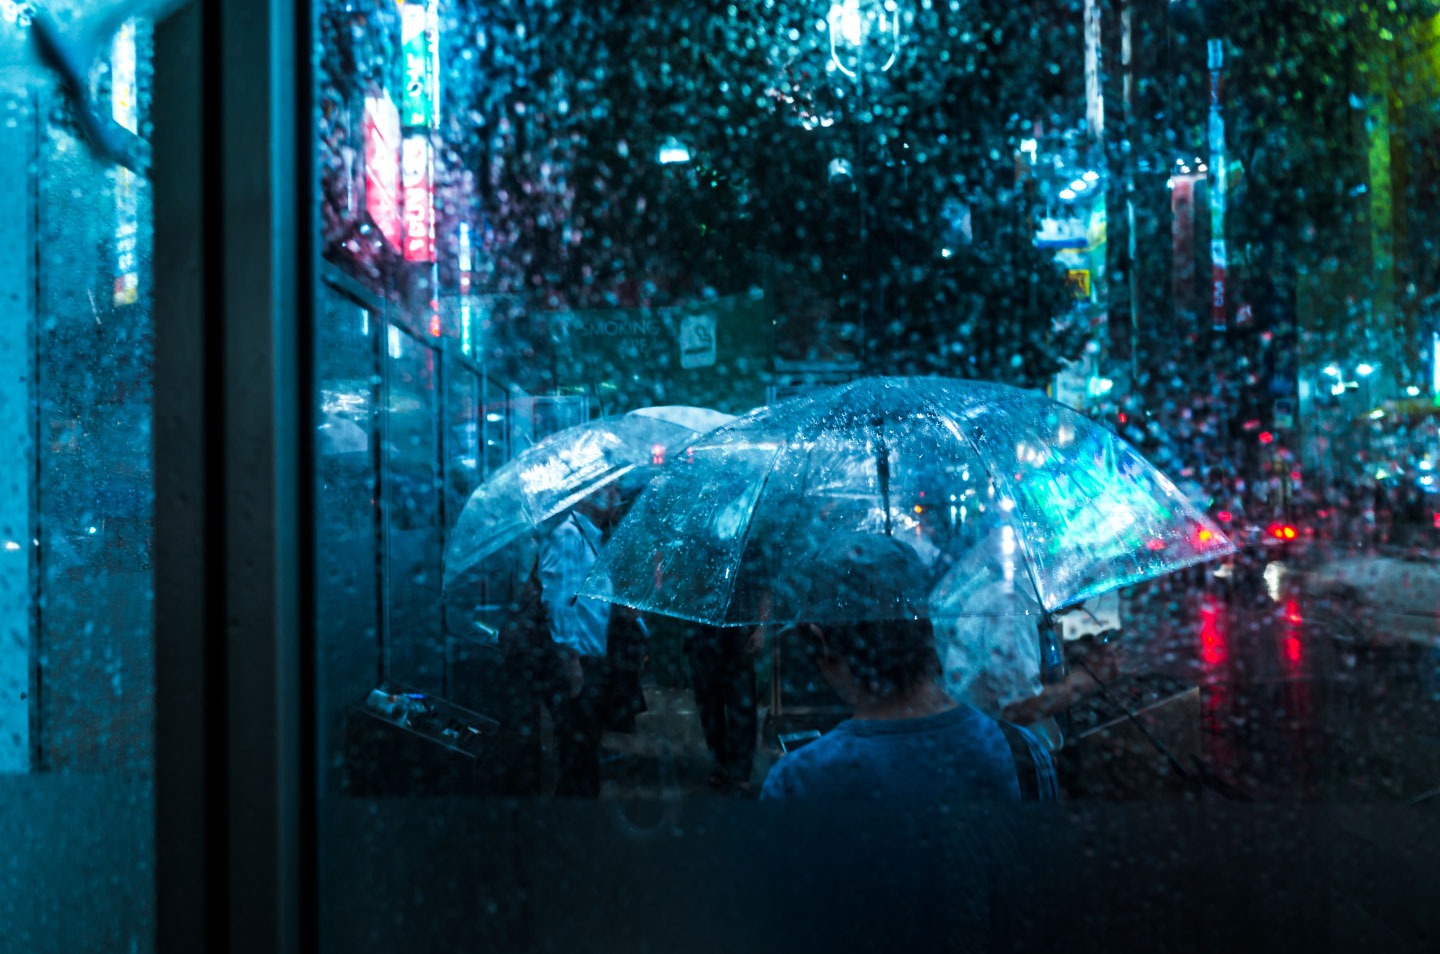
point(992, 660)
point(579, 682)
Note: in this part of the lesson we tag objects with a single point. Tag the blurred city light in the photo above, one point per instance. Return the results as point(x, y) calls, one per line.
point(1364, 370)
point(672, 151)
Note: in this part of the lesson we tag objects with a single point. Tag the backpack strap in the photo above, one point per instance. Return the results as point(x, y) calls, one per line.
point(1026, 771)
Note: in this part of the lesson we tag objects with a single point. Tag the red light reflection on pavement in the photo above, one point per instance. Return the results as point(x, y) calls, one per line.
point(1302, 748)
point(1212, 640)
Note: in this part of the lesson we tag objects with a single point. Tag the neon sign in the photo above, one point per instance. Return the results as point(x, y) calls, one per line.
point(125, 110)
point(382, 166)
point(416, 161)
point(1216, 58)
point(417, 103)
point(465, 263)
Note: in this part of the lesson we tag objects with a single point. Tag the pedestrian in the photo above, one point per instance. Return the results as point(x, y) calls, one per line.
point(577, 679)
point(627, 640)
point(722, 670)
point(991, 656)
point(908, 739)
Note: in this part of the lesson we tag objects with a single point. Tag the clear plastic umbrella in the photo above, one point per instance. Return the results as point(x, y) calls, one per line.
point(563, 469)
point(991, 485)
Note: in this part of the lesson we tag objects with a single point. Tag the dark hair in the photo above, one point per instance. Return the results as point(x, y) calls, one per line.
point(886, 657)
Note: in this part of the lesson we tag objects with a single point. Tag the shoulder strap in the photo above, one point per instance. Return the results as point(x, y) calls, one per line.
point(1026, 771)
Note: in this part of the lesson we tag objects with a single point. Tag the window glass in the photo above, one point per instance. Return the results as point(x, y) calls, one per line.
point(347, 511)
point(76, 586)
point(742, 391)
point(413, 510)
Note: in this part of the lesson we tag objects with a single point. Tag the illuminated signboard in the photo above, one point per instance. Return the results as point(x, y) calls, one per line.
point(1216, 58)
point(382, 167)
point(432, 42)
point(127, 238)
point(123, 92)
point(416, 105)
point(465, 263)
point(415, 171)
point(125, 110)
point(1435, 363)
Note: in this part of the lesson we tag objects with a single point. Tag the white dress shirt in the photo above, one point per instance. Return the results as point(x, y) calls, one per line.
point(566, 556)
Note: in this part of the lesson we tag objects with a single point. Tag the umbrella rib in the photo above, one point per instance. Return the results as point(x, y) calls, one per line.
point(947, 423)
point(745, 538)
point(1094, 504)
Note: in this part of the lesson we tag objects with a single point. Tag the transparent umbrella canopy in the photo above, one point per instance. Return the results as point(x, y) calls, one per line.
point(989, 484)
point(563, 469)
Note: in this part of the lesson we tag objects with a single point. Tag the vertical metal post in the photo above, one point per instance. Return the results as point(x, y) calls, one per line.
point(862, 198)
point(234, 299)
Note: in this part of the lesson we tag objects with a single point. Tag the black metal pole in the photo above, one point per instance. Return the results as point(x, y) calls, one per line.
point(882, 472)
point(862, 257)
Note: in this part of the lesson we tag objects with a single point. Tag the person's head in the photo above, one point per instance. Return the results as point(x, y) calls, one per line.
point(863, 616)
point(874, 661)
point(600, 506)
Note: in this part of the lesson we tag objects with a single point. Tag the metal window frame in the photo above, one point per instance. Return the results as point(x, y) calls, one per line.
point(235, 274)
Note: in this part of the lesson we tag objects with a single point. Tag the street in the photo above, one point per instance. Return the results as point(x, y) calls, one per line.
point(1295, 700)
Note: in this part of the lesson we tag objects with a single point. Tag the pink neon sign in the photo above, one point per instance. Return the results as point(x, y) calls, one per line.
point(382, 166)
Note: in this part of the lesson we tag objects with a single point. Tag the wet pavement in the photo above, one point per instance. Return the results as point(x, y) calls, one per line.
point(1298, 698)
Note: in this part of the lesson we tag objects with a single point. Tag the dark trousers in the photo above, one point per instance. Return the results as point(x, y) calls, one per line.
point(579, 723)
point(724, 679)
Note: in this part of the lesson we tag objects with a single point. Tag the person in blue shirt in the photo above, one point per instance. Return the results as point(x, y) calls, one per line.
point(908, 739)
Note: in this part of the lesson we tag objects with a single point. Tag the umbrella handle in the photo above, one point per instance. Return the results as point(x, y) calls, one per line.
point(1129, 714)
point(882, 473)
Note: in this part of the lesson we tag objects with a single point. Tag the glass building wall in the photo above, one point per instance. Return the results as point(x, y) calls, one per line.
point(77, 683)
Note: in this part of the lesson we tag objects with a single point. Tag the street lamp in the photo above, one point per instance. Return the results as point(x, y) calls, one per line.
point(864, 38)
point(1364, 369)
point(854, 25)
